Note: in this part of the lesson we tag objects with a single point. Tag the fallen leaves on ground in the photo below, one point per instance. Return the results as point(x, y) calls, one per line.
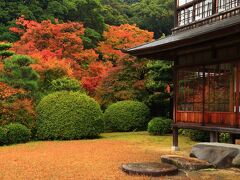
point(98, 159)
point(93, 159)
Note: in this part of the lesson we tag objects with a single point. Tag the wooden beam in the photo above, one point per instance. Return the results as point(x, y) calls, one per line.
point(207, 128)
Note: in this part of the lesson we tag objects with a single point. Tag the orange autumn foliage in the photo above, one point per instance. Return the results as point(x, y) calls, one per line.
point(26, 104)
point(13, 108)
point(122, 37)
point(1, 66)
point(96, 72)
point(61, 41)
point(55, 46)
point(117, 38)
point(7, 91)
point(59, 45)
point(21, 111)
point(47, 60)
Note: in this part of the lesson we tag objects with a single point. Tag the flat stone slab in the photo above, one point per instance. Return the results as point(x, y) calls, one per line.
point(185, 163)
point(221, 155)
point(150, 169)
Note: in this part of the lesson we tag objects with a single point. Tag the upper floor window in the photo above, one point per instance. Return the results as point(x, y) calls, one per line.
point(190, 11)
point(223, 5)
point(182, 2)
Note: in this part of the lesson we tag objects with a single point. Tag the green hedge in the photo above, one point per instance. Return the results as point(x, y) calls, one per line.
point(159, 126)
point(3, 136)
point(14, 133)
point(126, 116)
point(68, 115)
point(17, 133)
point(196, 135)
point(66, 84)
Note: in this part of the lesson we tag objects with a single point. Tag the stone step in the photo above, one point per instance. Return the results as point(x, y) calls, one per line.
point(150, 169)
point(185, 163)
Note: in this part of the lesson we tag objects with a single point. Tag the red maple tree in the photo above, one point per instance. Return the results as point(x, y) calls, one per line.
point(117, 38)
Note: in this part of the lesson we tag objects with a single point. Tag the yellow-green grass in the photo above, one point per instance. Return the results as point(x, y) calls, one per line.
point(147, 141)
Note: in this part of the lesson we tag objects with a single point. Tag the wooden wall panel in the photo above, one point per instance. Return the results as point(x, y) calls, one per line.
point(210, 118)
point(189, 117)
point(220, 118)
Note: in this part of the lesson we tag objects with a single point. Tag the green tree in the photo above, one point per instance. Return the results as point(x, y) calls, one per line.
point(66, 84)
point(126, 81)
point(159, 84)
point(86, 11)
point(154, 15)
point(4, 50)
point(18, 73)
point(115, 12)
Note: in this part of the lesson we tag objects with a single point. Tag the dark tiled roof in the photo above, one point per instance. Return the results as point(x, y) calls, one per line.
point(186, 35)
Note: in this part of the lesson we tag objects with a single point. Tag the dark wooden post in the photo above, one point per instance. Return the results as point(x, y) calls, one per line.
point(213, 136)
point(175, 139)
point(176, 14)
point(203, 96)
point(232, 139)
point(194, 13)
point(236, 123)
point(214, 6)
point(175, 83)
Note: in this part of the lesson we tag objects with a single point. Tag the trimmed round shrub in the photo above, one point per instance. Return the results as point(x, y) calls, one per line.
point(68, 115)
point(126, 116)
point(3, 136)
point(159, 126)
point(17, 133)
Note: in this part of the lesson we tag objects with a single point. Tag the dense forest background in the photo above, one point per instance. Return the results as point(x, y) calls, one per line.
point(152, 15)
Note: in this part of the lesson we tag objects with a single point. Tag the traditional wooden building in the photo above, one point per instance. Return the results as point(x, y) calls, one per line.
point(205, 48)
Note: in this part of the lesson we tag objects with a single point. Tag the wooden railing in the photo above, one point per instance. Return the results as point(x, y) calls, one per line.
point(185, 20)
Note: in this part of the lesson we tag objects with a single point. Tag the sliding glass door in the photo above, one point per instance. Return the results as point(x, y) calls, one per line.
point(208, 95)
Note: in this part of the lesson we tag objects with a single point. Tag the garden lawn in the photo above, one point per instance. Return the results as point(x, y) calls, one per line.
point(95, 159)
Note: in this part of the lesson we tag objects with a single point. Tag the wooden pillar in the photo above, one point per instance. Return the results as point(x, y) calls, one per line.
point(194, 13)
point(214, 7)
point(203, 96)
point(232, 139)
point(231, 95)
point(175, 90)
point(236, 123)
point(213, 136)
point(175, 139)
point(176, 14)
point(175, 129)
